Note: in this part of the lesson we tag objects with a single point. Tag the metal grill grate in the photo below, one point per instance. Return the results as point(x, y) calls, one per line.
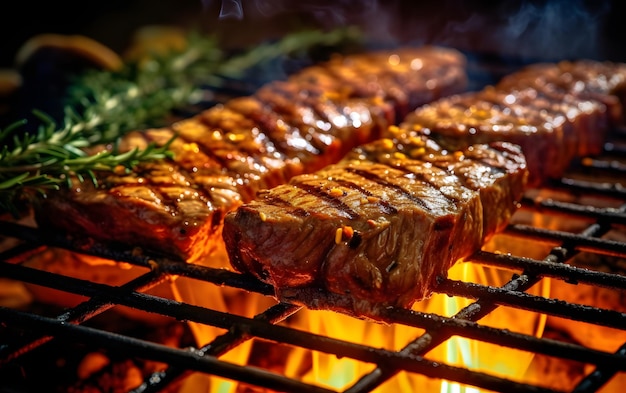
point(26, 331)
point(69, 325)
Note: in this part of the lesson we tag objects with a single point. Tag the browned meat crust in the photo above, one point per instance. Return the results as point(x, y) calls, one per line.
point(379, 227)
point(224, 155)
point(602, 81)
point(555, 112)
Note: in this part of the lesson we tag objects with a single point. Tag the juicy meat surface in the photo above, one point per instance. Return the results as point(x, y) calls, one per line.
point(225, 154)
point(381, 225)
point(549, 131)
point(555, 112)
point(602, 81)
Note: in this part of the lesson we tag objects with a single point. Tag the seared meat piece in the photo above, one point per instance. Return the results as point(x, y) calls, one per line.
point(398, 78)
point(586, 79)
point(555, 112)
point(602, 82)
point(380, 226)
point(377, 228)
point(225, 154)
point(551, 128)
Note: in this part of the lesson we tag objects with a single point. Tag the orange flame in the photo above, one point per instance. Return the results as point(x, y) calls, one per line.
point(327, 370)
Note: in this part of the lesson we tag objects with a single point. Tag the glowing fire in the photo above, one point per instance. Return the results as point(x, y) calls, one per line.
point(327, 370)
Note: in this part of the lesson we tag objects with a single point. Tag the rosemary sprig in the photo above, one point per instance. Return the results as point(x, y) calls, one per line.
point(143, 94)
point(103, 106)
point(33, 164)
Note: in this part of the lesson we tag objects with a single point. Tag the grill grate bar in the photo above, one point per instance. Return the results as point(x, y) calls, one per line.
point(19, 251)
point(475, 311)
point(304, 339)
point(193, 361)
point(468, 328)
point(136, 347)
point(598, 316)
point(217, 276)
point(266, 325)
point(258, 328)
point(606, 165)
point(220, 345)
point(579, 241)
point(102, 294)
point(615, 190)
point(38, 237)
point(599, 377)
point(433, 337)
point(568, 273)
point(606, 214)
point(77, 314)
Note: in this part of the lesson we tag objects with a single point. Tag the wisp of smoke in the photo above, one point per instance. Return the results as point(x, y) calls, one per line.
point(229, 9)
point(526, 28)
point(326, 12)
point(548, 29)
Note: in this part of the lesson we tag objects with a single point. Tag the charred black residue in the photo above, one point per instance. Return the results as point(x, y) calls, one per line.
point(355, 240)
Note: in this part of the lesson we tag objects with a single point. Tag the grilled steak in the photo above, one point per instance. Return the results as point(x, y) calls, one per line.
point(549, 131)
point(587, 79)
point(380, 226)
point(555, 112)
point(225, 154)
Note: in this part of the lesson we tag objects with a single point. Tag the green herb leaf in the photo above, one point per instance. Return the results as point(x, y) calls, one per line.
point(102, 106)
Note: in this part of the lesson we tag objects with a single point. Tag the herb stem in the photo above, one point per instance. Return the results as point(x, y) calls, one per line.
point(103, 106)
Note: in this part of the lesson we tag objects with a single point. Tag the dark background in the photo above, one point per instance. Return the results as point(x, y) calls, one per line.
point(522, 29)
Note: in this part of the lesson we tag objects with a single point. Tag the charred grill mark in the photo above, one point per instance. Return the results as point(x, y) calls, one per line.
point(462, 179)
point(205, 150)
point(421, 177)
point(378, 180)
point(165, 201)
point(500, 149)
point(488, 162)
point(205, 194)
point(296, 128)
point(465, 182)
point(268, 126)
point(227, 163)
point(298, 96)
point(324, 107)
point(332, 74)
point(146, 171)
point(338, 100)
point(341, 80)
point(322, 110)
point(492, 167)
point(444, 223)
point(475, 158)
point(319, 192)
point(318, 104)
point(355, 240)
point(542, 102)
point(277, 201)
point(385, 207)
